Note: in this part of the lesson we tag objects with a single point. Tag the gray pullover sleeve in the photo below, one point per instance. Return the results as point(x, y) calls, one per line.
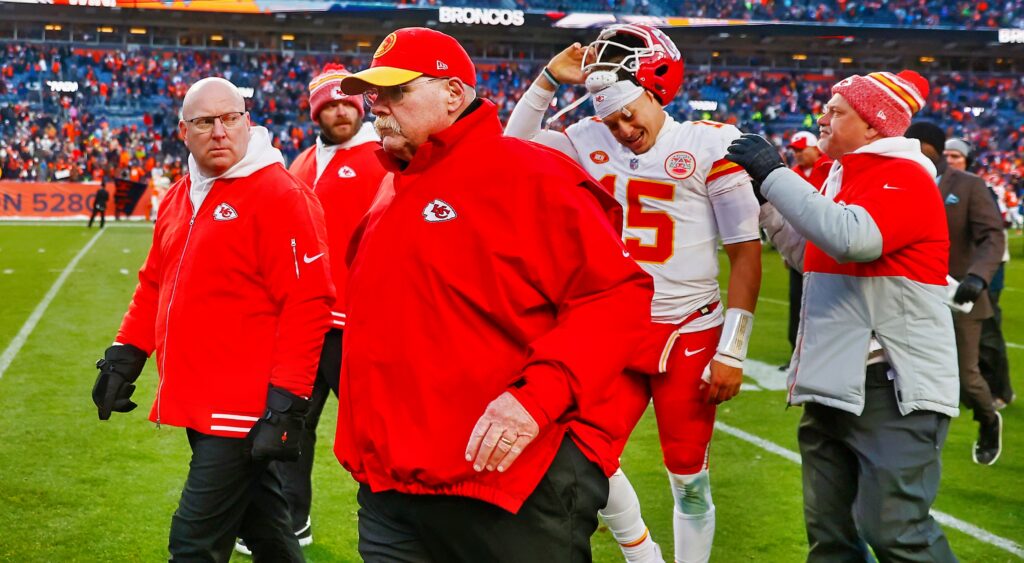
point(847, 233)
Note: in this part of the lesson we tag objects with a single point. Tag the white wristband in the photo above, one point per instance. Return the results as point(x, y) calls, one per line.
point(736, 334)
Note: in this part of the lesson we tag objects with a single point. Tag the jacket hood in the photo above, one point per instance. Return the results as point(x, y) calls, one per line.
point(260, 154)
point(899, 147)
point(890, 147)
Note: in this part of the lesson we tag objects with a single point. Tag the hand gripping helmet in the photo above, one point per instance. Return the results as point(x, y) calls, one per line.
point(640, 53)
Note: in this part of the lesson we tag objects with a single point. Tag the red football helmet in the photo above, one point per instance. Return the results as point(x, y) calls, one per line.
point(644, 53)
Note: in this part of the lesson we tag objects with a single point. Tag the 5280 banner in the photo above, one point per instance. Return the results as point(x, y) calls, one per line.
point(30, 200)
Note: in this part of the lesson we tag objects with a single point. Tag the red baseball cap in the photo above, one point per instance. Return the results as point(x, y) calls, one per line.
point(803, 139)
point(409, 53)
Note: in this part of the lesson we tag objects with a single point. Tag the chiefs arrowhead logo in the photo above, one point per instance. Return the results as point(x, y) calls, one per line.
point(346, 172)
point(438, 211)
point(385, 46)
point(599, 157)
point(337, 94)
point(599, 98)
point(224, 212)
point(680, 165)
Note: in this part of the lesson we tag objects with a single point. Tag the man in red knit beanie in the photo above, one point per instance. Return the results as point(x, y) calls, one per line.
point(875, 364)
point(344, 172)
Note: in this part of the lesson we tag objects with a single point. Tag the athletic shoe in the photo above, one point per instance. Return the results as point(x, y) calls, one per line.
point(304, 535)
point(990, 442)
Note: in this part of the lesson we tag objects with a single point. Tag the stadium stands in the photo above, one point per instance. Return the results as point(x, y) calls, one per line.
point(122, 119)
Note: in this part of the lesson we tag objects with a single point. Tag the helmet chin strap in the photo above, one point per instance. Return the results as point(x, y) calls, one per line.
point(600, 79)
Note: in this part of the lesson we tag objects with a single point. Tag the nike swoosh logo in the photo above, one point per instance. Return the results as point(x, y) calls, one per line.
point(888, 187)
point(310, 259)
point(687, 352)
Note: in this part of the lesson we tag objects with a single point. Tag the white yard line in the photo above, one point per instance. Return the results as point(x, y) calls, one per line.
point(975, 532)
point(766, 377)
point(765, 299)
point(30, 324)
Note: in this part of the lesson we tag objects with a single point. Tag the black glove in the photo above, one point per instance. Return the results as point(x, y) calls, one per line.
point(278, 434)
point(119, 368)
point(970, 290)
point(758, 157)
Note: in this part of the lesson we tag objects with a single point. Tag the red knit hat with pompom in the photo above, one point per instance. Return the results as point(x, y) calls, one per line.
point(886, 101)
point(326, 88)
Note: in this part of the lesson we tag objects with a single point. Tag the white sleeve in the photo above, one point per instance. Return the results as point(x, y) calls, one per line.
point(735, 207)
point(783, 236)
point(526, 118)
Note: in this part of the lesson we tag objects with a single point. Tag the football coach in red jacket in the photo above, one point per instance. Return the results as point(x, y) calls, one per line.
point(490, 301)
point(234, 298)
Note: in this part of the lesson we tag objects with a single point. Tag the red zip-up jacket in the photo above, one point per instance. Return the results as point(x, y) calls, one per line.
point(487, 266)
point(232, 299)
point(345, 190)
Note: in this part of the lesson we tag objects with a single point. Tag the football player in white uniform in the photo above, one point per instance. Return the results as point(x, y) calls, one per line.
point(680, 198)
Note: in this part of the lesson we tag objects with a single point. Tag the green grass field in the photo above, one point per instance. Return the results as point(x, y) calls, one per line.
point(73, 488)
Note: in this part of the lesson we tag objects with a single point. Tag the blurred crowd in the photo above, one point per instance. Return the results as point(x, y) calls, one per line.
point(122, 120)
point(957, 13)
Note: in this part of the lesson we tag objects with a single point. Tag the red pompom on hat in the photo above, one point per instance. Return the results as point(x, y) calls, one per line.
point(326, 88)
point(886, 101)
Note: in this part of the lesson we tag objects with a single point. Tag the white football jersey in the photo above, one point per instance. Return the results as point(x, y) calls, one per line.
point(679, 199)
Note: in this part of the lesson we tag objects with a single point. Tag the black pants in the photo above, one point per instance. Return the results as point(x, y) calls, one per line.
point(228, 495)
point(554, 524)
point(297, 475)
point(995, 366)
point(796, 296)
point(103, 217)
point(872, 479)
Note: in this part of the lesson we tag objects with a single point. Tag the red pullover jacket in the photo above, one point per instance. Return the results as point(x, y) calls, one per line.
point(232, 299)
point(345, 190)
point(487, 266)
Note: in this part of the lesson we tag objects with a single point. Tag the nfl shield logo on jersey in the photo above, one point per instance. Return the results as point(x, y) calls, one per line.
point(438, 211)
point(634, 163)
point(224, 212)
point(680, 165)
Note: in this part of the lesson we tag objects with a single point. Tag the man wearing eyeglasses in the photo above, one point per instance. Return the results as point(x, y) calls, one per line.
point(234, 298)
point(479, 271)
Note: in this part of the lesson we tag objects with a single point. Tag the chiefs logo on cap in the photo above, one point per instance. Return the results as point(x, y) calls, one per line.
point(599, 157)
point(680, 165)
point(385, 46)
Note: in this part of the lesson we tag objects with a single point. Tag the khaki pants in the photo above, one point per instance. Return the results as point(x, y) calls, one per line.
point(974, 391)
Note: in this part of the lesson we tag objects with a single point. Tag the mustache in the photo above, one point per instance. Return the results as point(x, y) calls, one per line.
point(387, 122)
